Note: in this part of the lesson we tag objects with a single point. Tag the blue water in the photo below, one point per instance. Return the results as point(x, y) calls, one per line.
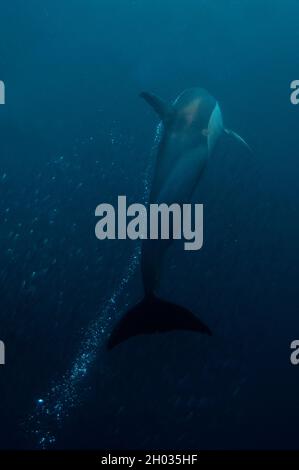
point(74, 133)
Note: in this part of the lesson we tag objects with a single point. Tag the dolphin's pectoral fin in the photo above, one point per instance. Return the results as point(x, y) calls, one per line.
point(238, 138)
point(162, 108)
point(153, 315)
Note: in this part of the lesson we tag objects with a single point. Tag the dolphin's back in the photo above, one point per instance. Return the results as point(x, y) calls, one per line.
point(205, 104)
point(181, 156)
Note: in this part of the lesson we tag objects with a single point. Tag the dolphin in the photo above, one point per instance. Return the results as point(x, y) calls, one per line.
point(190, 129)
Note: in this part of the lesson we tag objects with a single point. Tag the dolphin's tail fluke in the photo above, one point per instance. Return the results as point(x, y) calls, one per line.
point(153, 315)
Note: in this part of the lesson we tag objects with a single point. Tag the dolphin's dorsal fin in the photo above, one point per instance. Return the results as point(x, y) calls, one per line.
point(162, 108)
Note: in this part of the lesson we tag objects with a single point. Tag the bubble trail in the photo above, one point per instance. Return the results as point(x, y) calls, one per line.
point(52, 409)
point(56, 405)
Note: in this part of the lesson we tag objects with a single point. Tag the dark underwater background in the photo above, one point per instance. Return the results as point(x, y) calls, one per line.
point(73, 134)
